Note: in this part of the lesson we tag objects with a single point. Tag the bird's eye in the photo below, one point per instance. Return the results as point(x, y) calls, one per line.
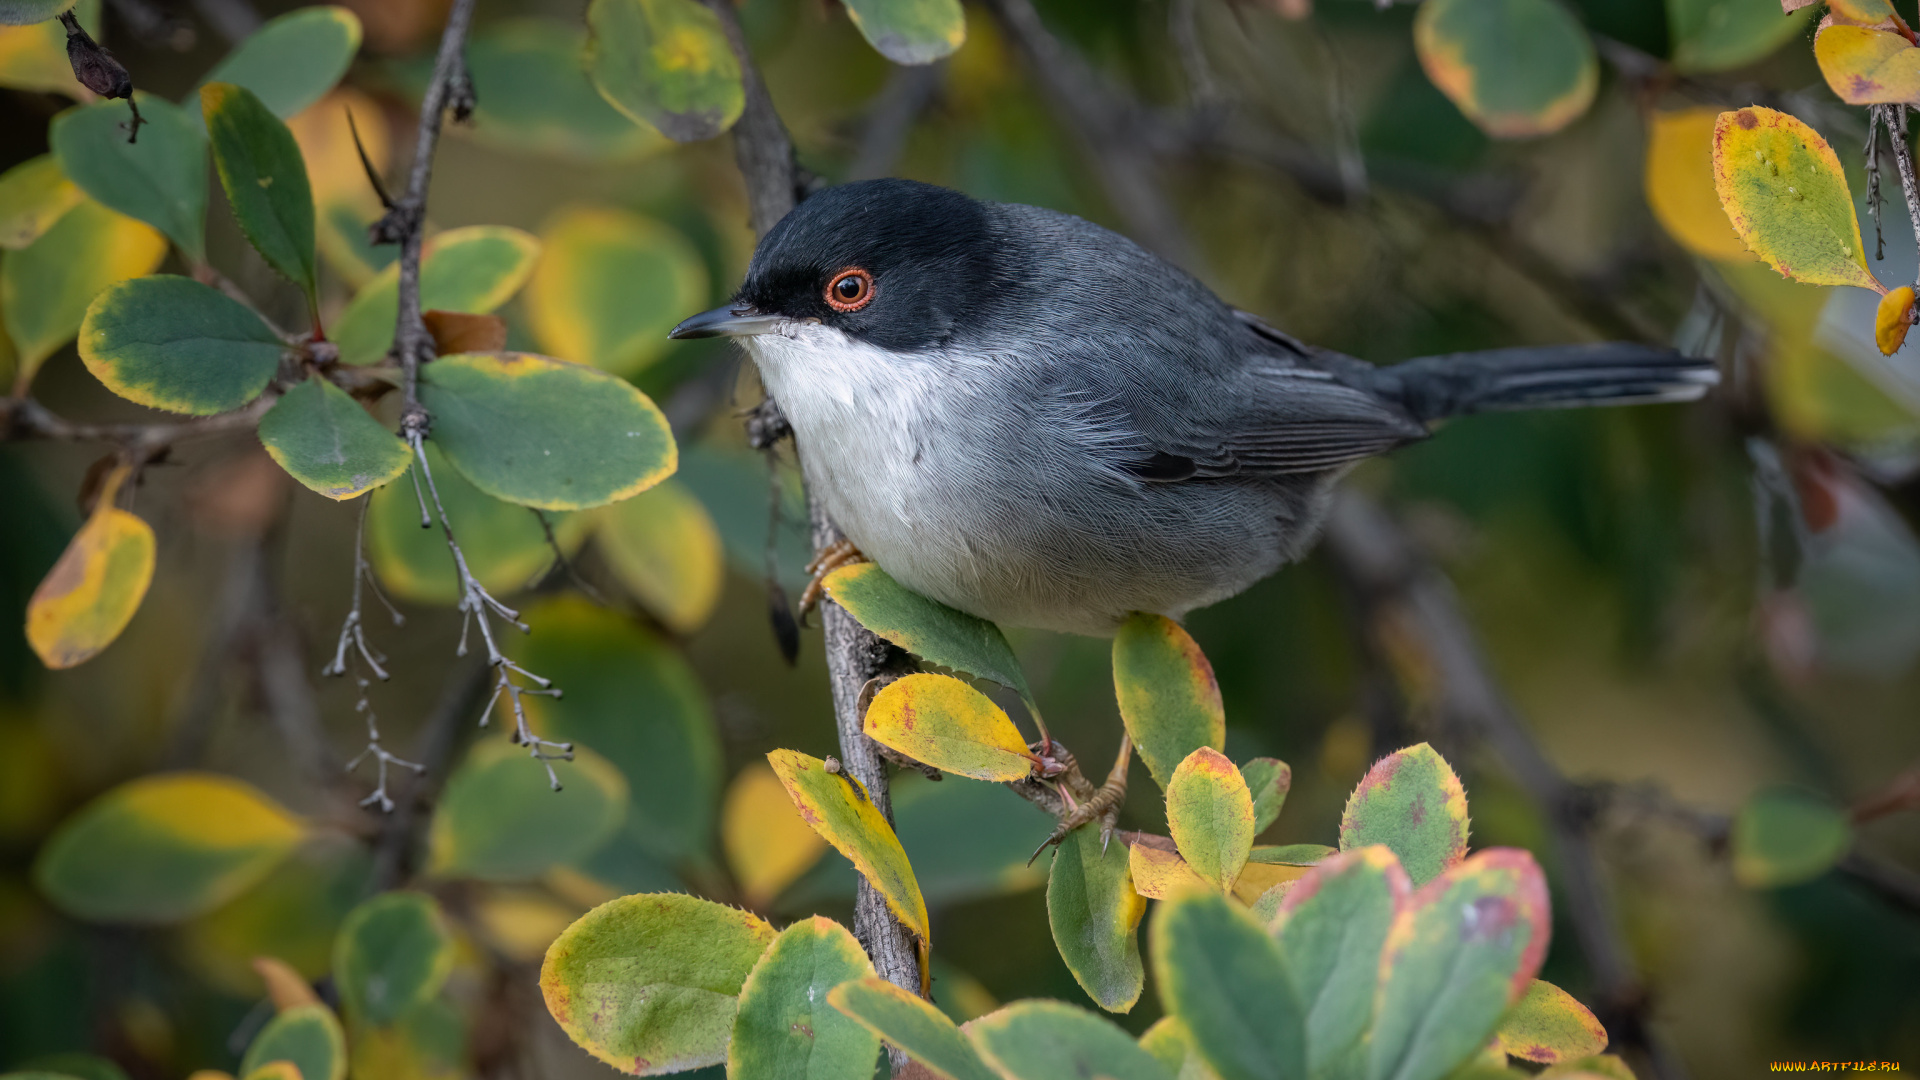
point(850, 289)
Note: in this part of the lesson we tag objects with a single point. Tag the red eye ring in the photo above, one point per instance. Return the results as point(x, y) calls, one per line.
point(850, 290)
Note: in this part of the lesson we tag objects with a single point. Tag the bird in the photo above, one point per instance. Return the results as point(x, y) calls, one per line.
point(1032, 419)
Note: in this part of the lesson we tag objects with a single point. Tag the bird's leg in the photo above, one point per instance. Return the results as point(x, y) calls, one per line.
point(1102, 805)
point(825, 562)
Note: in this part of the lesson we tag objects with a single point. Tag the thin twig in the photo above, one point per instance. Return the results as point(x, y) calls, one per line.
point(1896, 120)
point(353, 650)
point(23, 418)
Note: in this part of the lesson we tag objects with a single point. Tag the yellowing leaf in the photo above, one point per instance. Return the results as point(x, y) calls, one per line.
point(1168, 696)
point(1864, 12)
point(609, 286)
point(33, 195)
point(34, 56)
point(1210, 813)
point(665, 548)
point(767, 843)
point(1516, 68)
point(949, 725)
point(286, 988)
point(838, 807)
point(1679, 182)
point(1160, 874)
point(1893, 319)
point(1548, 1026)
point(46, 286)
point(1787, 197)
point(92, 592)
point(1257, 877)
point(1868, 67)
point(522, 922)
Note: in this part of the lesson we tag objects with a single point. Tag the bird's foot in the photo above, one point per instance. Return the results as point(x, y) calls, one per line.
point(825, 562)
point(1102, 806)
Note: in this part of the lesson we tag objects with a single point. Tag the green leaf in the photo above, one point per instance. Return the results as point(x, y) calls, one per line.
point(634, 700)
point(1784, 836)
point(326, 440)
point(1717, 35)
point(25, 12)
point(535, 96)
point(665, 548)
point(910, 31)
point(927, 628)
point(921, 1031)
point(1331, 928)
point(609, 286)
point(1049, 1040)
point(265, 179)
point(1269, 779)
point(1549, 1026)
point(1456, 960)
point(1413, 802)
point(471, 270)
point(838, 807)
point(649, 984)
point(1786, 194)
point(1095, 916)
point(1167, 693)
point(164, 848)
point(307, 1035)
point(785, 1029)
point(501, 820)
point(666, 64)
point(393, 955)
point(945, 723)
point(1210, 814)
point(545, 433)
point(292, 916)
point(293, 60)
point(46, 286)
point(33, 195)
point(1224, 977)
point(1516, 68)
point(161, 179)
point(172, 343)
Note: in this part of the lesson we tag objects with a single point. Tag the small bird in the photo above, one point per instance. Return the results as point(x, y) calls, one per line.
point(1030, 418)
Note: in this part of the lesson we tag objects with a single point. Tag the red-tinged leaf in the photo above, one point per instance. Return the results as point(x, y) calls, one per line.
point(1167, 693)
point(1210, 813)
point(1331, 927)
point(838, 807)
point(949, 725)
point(1413, 802)
point(459, 332)
point(1549, 1026)
point(1784, 191)
point(1865, 66)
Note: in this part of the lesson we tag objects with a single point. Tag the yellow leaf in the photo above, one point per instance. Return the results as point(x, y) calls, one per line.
point(326, 142)
point(1256, 878)
point(34, 57)
point(275, 1070)
point(609, 286)
point(92, 592)
point(838, 807)
point(33, 195)
point(1787, 197)
point(520, 922)
point(1161, 874)
point(949, 725)
point(1895, 316)
point(767, 843)
point(1679, 182)
point(1864, 12)
point(664, 547)
point(1210, 814)
point(1865, 66)
point(46, 286)
point(286, 988)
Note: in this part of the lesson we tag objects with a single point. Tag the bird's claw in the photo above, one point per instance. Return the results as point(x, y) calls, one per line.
point(825, 562)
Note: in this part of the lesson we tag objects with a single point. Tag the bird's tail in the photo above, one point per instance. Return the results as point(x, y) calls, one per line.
point(1551, 377)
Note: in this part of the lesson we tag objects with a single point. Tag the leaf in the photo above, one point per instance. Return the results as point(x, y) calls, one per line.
point(1679, 183)
point(648, 984)
point(427, 1043)
point(967, 840)
point(1893, 319)
point(666, 64)
point(24, 12)
point(265, 179)
point(1516, 68)
point(1455, 961)
point(33, 56)
point(921, 1031)
point(1784, 836)
point(1785, 193)
point(1210, 813)
point(293, 60)
point(535, 96)
point(1269, 779)
point(545, 433)
point(1049, 1040)
point(945, 723)
point(46, 286)
point(1866, 12)
point(837, 807)
point(663, 546)
point(1549, 1026)
point(633, 699)
point(1868, 67)
point(1331, 928)
point(291, 915)
point(1167, 693)
point(785, 1030)
point(308, 1037)
point(910, 31)
point(326, 440)
point(472, 270)
point(33, 195)
point(927, 628)
point(171, 343)
point(1095, 917)
point(1718, 35)
point(161, 179)
point(1225, 979)
point(1411, 801)
point(458, 332)
point(393, 955)
point(286, 988)
point(609, 286)
point(345, 203)
point(1600, 1066)
point(1257, 876)
point(501, 820)
point(766, 842)
point(1159, 874)
point(92, 592)
point(1172, 1045)
point(164, 848)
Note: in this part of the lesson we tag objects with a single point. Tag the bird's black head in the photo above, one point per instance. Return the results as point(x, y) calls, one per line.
point(899, 264)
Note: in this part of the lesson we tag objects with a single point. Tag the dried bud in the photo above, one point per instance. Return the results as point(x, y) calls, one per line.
point(94, 66)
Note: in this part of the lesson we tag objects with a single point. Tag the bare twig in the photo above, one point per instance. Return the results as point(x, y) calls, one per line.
point(354, 650)
point(23, 418)
point(1896, 121)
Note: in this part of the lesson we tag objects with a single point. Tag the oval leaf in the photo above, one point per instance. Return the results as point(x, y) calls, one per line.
point(1167, 693)
point(1868, 67)
point(93, 591)
point(1331, 928)
point(1224, 978)
point(172, 343)
point(665, 548)
point(1095, 916)
point(785, 1029)
point(837, 807)
point(470, 270)
point(1159, 874)
point(265, 179)
point(501, 820)
point(1893, 319)
point(535, 96)
point(293, 60)
point(1210, 814)
point(921, 1031)
point(1413, 802)
point(326, 440)
point(1048, 1040)
point(1269, 779)
point(306, 1036)
point(161, 179)
point(164, 848)
point(926, 628)
point(1787, 197)
point(46, 286)
point(1549, 1026)
point(766, 842)
point(1784, 836)
point(1718, 35)
point(609, 286)
point(1679, 183)
point(33, 195)
point(649, 984)
point(949, 725)
point(545, 433)
point(910, 31)
point(666, 64)
point(393, 954)
point(1516, 68)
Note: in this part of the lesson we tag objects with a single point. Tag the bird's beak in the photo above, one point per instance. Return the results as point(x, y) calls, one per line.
point(734, 320)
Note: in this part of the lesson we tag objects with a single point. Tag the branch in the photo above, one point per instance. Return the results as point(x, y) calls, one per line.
point(23, 418)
